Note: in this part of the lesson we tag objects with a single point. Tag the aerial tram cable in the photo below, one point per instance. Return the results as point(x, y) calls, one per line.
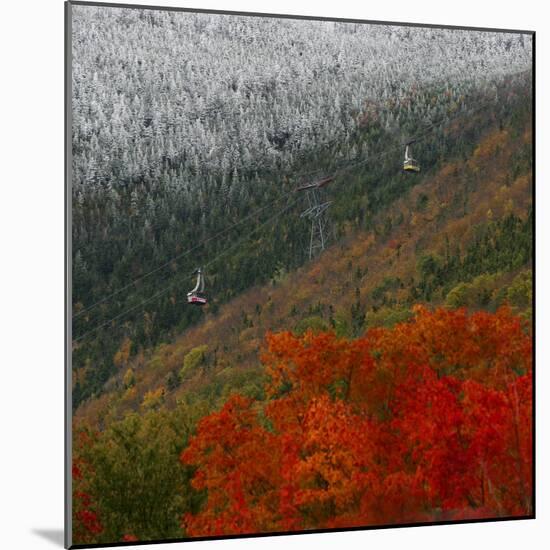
point(172, 283)
point(195, 247)
point(410, 165)
point(182, 254)
point(425, 132)
point(407, 166)
point(495, 80)
point(198, 245)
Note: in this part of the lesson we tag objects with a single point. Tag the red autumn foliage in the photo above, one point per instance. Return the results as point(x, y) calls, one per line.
point(86, 521)
point(426, 421)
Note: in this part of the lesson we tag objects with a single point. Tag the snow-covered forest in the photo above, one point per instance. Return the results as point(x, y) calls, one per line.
point(186, 122)
point(224, 95)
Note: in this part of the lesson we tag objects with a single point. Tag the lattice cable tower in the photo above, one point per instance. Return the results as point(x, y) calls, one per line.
point(317, 213)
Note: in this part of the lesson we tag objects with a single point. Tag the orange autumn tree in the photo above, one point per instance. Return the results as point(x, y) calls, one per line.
point(428, 420)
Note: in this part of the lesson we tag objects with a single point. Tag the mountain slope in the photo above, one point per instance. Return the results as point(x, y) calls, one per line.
point(460, 236)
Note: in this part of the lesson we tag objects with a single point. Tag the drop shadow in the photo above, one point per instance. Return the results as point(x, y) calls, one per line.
point(56, 536)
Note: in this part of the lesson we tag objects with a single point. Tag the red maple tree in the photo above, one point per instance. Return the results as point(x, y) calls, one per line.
point(86, 521)
point(425, 421)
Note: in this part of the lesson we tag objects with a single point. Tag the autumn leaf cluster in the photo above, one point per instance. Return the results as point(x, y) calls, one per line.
point(426, 421)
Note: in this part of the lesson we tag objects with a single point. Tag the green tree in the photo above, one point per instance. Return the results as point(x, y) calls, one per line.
point(313, 323)
point(139, 485)
point(192, 360)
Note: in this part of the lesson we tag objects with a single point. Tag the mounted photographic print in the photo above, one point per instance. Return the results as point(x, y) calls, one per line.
point(299, 274)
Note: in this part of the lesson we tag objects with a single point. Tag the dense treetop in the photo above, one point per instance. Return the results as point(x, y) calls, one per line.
point(227, 93)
